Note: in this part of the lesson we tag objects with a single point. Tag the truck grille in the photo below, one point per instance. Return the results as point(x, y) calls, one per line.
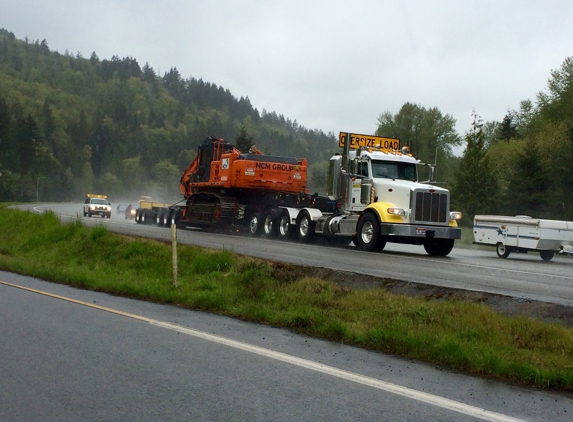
point(430, 207)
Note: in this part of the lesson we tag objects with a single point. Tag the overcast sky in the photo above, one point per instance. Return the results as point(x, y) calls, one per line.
point(331, 65)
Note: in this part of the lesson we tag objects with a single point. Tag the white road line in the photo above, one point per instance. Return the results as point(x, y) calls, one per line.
point(304, 363)
point(485, 267)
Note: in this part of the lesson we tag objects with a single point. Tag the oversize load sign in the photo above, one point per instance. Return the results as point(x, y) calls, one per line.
point(369, 141)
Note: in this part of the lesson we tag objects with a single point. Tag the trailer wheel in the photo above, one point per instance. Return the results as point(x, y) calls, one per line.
point(439, 247)
point(256, 224)
point(176, 218)
point(151, 216)
point(546, 255)
point(271, 223)
point(285, 228)
point(145, 216)
point(305, 227)
point(167, 218)
point(138, 215)
point(368, 234)
point(160, 219)
point(502, 250)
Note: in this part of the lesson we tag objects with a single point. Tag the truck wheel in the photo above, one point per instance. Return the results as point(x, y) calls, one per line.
point(546, 255)
point(368, 234)
point(439, 247)
point(285, 228)
point(256, 224)
point(305, 227)
point(271, 223)
point(502, 250)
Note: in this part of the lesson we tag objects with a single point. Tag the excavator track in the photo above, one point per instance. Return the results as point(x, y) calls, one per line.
point(210, 209)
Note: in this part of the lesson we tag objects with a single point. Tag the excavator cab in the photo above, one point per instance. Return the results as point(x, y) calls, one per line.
point(210, 150)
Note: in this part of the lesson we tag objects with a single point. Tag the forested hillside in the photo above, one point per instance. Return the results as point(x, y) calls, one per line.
point(71, 125)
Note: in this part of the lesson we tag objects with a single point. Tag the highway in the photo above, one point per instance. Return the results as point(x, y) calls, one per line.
point(523, 276)
point(77, 355)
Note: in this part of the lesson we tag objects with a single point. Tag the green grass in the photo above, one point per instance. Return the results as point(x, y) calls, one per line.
point(460, 335)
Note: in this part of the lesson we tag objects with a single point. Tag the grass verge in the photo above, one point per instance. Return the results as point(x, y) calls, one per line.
point(463, 336)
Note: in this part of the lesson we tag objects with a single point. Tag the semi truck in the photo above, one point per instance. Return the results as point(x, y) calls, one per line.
point(524, 234)
point(373, 197)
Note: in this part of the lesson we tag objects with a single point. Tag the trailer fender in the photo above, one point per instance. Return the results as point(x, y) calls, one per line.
point(292, 212)
point(314, 213)
point(381, 210)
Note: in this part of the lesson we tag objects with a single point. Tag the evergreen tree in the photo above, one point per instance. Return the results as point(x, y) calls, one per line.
point(507, 128)
point(528, 185)
point(474, 188)
point(243, 141)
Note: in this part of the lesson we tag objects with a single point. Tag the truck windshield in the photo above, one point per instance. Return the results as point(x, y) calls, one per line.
point(394, 170)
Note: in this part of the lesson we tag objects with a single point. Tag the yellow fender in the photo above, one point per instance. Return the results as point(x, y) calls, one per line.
point(381, 210)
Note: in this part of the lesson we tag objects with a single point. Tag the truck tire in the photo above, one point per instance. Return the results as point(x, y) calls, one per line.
point(368, 234)
point(439, 247)
point(271, 223)
point(285, 229)
point(305, 227)
point(138, 216)
point(256, 224)
point(547, 255)
point(144, 216)
point(502, 250)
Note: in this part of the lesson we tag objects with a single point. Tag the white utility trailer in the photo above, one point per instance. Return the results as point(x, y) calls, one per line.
point(523, 234)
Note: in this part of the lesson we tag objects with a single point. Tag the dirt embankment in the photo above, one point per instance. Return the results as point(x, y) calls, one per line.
point(505, 305)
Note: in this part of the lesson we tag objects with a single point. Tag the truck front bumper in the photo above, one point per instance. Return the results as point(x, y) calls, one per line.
point(420, 231)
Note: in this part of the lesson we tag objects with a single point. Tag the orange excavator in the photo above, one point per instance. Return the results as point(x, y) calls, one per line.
point(225, 187)
point(220, 165)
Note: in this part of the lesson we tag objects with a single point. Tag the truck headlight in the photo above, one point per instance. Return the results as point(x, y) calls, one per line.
point(397, 211)
point(92, 207)
point(455, 215)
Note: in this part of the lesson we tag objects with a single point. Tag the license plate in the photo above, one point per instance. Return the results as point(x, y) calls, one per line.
point(421, 231)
